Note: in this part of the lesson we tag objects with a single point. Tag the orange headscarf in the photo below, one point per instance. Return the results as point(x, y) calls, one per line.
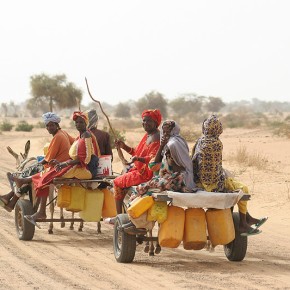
point(153, 114)
point(83, 115)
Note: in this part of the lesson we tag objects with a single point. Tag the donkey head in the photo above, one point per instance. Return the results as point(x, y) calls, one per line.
point(20, 159)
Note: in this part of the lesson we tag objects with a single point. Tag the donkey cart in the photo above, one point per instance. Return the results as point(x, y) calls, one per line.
point(198, 221)
point(88, 197)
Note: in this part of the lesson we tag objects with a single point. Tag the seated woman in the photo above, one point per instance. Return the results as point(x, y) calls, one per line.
point(82, 164)
point(58, 149)
point(210, 175)
point(172, 165)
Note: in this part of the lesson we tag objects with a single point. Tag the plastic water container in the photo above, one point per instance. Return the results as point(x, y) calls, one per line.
point(109, 205)
point(105, 165)
point(45, 148)
point(39, 158)
point(171, 231)
point(77, 203)
point(64, 196)
point(92, 211)
point(220, 226)
point(158, 212)
point(139, 206)
point(195, 237)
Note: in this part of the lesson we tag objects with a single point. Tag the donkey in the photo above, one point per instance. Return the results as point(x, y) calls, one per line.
point(26, 167)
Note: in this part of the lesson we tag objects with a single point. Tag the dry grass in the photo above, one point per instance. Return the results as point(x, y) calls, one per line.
point(255, 159)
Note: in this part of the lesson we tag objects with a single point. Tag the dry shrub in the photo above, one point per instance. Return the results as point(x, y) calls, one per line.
point(189, 135)
point(281, 129)
point(243, 157)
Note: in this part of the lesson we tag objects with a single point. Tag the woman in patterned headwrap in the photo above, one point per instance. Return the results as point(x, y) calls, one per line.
point(82, 164)
point(58, 149)
point(141, 155)
point(210, 175)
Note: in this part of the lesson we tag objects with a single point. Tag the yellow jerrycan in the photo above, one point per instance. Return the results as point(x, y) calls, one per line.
point(109, 205)
point(64, 196)
point(77, 199)
point(92, 211)
point(139, 206)
point(220, 226)
point(195, 237)
point(171, 231)
point(158, 212)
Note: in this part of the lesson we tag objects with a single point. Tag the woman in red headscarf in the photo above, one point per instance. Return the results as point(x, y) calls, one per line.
point(141, 155)
point(82, 164)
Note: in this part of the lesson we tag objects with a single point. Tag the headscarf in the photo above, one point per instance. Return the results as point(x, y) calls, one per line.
point(153, 114)
point(93, 118)
point(50, 117)
point(83, 115)
point(179, 152)
point(207, 158)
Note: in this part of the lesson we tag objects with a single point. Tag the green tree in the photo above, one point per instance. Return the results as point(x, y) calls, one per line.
point(214, 104)
point(186, 103)
point(123, 111)
point(54, 90)
point(153, 100)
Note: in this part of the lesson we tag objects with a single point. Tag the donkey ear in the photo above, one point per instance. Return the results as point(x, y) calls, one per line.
point(27, 148)
point(14, 154)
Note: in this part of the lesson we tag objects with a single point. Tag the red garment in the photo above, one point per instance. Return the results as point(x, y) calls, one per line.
point(42, 181)
point(153, 114)
point(140, 172)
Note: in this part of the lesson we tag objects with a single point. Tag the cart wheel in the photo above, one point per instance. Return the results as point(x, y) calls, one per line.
point(236, 250)
point(25, 230)
point(124, 244)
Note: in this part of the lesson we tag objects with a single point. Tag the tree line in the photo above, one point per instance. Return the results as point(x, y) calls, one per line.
point(54, 93)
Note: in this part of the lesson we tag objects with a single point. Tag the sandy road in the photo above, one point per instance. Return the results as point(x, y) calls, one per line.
point(69, 259)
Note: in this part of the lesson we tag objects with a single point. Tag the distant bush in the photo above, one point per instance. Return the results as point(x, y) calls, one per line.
point(282, 130)
point(6, 126)
point(243, 120)
point(23, 126)
point(40, 125)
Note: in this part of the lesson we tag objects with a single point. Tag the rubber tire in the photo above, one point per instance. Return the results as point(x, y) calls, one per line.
point(236, 250)
point(24, 229)
point(124, 244)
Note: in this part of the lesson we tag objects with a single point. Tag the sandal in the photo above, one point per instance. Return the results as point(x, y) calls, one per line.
point(110, 221)
point(261, 222)
point(251, 232)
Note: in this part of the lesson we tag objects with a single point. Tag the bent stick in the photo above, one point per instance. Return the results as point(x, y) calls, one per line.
point(120, 153)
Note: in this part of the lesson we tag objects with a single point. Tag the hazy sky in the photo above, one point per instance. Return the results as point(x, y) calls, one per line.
point(230, 48)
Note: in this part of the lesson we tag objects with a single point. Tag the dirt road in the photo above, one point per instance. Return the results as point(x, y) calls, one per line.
point(69, 259)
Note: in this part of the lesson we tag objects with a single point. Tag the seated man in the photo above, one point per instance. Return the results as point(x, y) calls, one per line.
point(210, 175)
point(141, 155)
point(81, 164)
point(57, 149)
point(172, 164)
point(102, 137)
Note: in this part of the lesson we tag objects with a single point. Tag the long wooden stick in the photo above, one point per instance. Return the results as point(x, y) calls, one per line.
point(120, 153)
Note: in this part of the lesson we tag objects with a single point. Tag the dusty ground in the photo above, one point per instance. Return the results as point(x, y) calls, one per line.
point(84, 260)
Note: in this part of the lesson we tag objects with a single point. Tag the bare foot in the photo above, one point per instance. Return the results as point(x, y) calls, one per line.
point(18, 181)
point(3, 200)
point(245, 228)
point(252, 221)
